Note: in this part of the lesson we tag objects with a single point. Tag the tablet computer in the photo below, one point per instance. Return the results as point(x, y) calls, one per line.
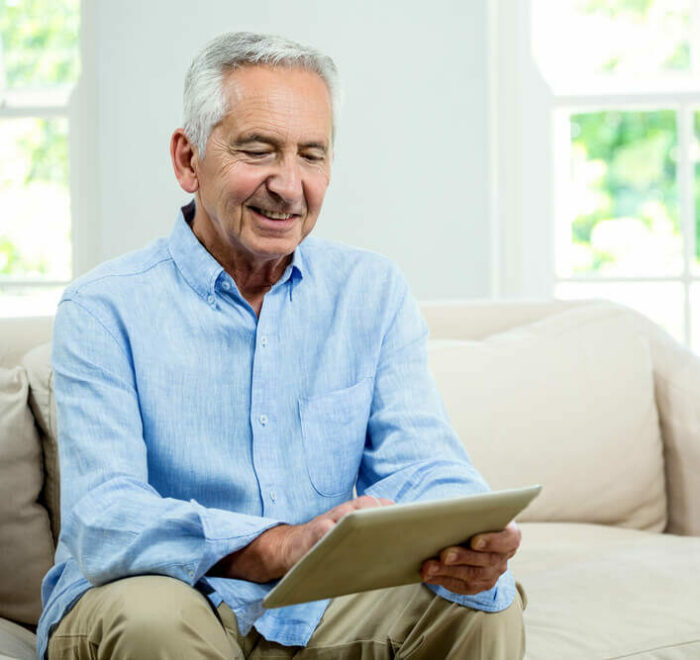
point(386, 546)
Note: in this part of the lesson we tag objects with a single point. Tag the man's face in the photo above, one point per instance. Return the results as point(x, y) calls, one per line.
point(267, 164)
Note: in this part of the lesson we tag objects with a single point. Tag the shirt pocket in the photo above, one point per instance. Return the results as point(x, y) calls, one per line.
point(334, 427)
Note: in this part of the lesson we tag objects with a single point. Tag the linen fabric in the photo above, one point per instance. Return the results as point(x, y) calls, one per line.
point(26, 546)
point(572, 396)
point(188, 426)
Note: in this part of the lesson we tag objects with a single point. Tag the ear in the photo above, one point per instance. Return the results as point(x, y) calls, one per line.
point(185, 159)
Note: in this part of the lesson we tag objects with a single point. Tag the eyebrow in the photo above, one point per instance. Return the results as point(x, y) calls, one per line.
point(251, 138)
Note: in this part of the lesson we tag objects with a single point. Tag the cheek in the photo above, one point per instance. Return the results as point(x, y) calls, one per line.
point(240, 183)
point(316, 191)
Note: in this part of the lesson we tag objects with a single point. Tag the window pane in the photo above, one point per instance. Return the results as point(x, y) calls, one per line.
point(29, 301)
point(695, 317)
point(662, 302)
point(695, 155)
point(34, 198)
point(39, 43)
point(585, 39)
point(617, 200)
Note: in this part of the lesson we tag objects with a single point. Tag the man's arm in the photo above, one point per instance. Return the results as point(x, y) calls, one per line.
point(275, 551)
point(114, 523)
point(413, 454)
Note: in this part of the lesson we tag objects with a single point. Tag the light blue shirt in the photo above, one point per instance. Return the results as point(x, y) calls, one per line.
point(188, 426)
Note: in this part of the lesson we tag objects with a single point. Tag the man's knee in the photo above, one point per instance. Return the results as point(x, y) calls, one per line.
point(502, 634)
point(154, 605)
point(148, 616)
point(452, 631)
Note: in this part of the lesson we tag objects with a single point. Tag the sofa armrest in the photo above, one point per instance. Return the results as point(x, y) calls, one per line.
point(677, 393)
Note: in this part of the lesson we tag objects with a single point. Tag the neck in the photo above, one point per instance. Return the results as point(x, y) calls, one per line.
point(253, 275)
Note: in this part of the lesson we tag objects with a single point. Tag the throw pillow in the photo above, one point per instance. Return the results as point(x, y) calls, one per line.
point(567, 402)
point(26, 545)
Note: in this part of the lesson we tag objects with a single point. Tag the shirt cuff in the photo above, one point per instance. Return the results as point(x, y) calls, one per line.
point(225, 532)
point(496, 599)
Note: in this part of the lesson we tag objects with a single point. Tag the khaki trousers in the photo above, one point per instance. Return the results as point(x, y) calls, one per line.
point(155, 617)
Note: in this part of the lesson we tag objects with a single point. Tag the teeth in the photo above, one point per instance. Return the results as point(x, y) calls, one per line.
point(274, 216)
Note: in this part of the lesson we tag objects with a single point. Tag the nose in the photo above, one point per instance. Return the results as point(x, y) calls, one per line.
point(285, 181)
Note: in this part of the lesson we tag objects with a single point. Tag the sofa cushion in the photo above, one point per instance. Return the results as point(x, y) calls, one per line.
point(604, 592)
point(677, 386)
point(567, 402)
point(37, 363)
point(16, 642)
point(26, 544)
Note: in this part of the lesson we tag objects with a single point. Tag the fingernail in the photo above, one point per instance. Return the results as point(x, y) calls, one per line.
point(480, 544)
point(432, 570)
point(451, 558)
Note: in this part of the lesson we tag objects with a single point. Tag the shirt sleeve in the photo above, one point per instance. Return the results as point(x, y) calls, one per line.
point(114, 523)
point(412, 452)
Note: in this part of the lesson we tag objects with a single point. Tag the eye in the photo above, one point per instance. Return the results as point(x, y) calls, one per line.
point(312, 158)
point(256, 154)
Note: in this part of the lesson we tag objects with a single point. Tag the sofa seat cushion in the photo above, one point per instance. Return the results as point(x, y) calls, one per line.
point(605, 592)
point(567, 402)
point(26, 544)
point(16, 642)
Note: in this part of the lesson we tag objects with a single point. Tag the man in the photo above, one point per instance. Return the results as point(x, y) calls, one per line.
point(222, 392)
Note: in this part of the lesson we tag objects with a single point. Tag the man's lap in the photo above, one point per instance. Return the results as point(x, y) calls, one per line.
point(163, 613)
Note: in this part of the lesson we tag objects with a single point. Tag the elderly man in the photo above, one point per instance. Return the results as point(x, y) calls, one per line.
point(222, 393)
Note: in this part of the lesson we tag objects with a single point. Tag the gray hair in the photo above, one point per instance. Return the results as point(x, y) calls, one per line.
point(204, 100)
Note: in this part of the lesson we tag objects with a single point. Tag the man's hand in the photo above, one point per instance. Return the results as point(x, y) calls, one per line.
point(275, 551)
point(473, 569)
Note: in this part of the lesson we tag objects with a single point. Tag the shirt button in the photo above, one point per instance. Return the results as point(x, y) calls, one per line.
point(211, 300)
point(273, 495)
point(263, 419)
point(225, 285)
point(263, 341)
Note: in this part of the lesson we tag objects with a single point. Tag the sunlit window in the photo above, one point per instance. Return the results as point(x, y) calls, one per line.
point(39, 65)
point(625, 83)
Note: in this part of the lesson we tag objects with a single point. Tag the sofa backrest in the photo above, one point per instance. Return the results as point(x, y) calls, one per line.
point(474, 320)
point(19, 335)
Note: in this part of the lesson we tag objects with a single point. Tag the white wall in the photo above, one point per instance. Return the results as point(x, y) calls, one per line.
point(410, 178)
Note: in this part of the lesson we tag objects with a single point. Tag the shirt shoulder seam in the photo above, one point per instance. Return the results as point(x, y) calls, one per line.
point(96, 318)
point(78, 290)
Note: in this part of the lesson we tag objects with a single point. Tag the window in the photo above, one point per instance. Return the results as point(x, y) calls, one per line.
point(615, 195)
point(39, 65)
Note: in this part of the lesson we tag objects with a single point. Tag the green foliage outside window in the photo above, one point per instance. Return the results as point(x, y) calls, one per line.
point(39, 50)
point(627, 161)
point(39, 41)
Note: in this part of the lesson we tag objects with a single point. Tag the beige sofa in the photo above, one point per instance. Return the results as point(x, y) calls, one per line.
point(589, 399)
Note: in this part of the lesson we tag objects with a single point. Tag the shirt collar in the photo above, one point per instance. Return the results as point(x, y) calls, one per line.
point(199, 267)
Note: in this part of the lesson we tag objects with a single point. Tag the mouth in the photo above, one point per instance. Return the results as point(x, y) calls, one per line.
point(274, 216)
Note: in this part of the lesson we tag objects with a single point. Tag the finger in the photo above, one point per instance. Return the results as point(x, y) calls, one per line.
point(337, 512)
point(459, 555)
point(505, 542)
point(370, 501)
point(460, 587)
point(466, 573)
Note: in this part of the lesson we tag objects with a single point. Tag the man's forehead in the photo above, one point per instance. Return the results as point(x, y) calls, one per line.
point(279, 102)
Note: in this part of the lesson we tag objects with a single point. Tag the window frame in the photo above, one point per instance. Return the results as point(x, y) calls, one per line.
point(78, 105)
point(524, 110)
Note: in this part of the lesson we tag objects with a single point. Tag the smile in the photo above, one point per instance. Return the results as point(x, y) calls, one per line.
point(273, 215)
